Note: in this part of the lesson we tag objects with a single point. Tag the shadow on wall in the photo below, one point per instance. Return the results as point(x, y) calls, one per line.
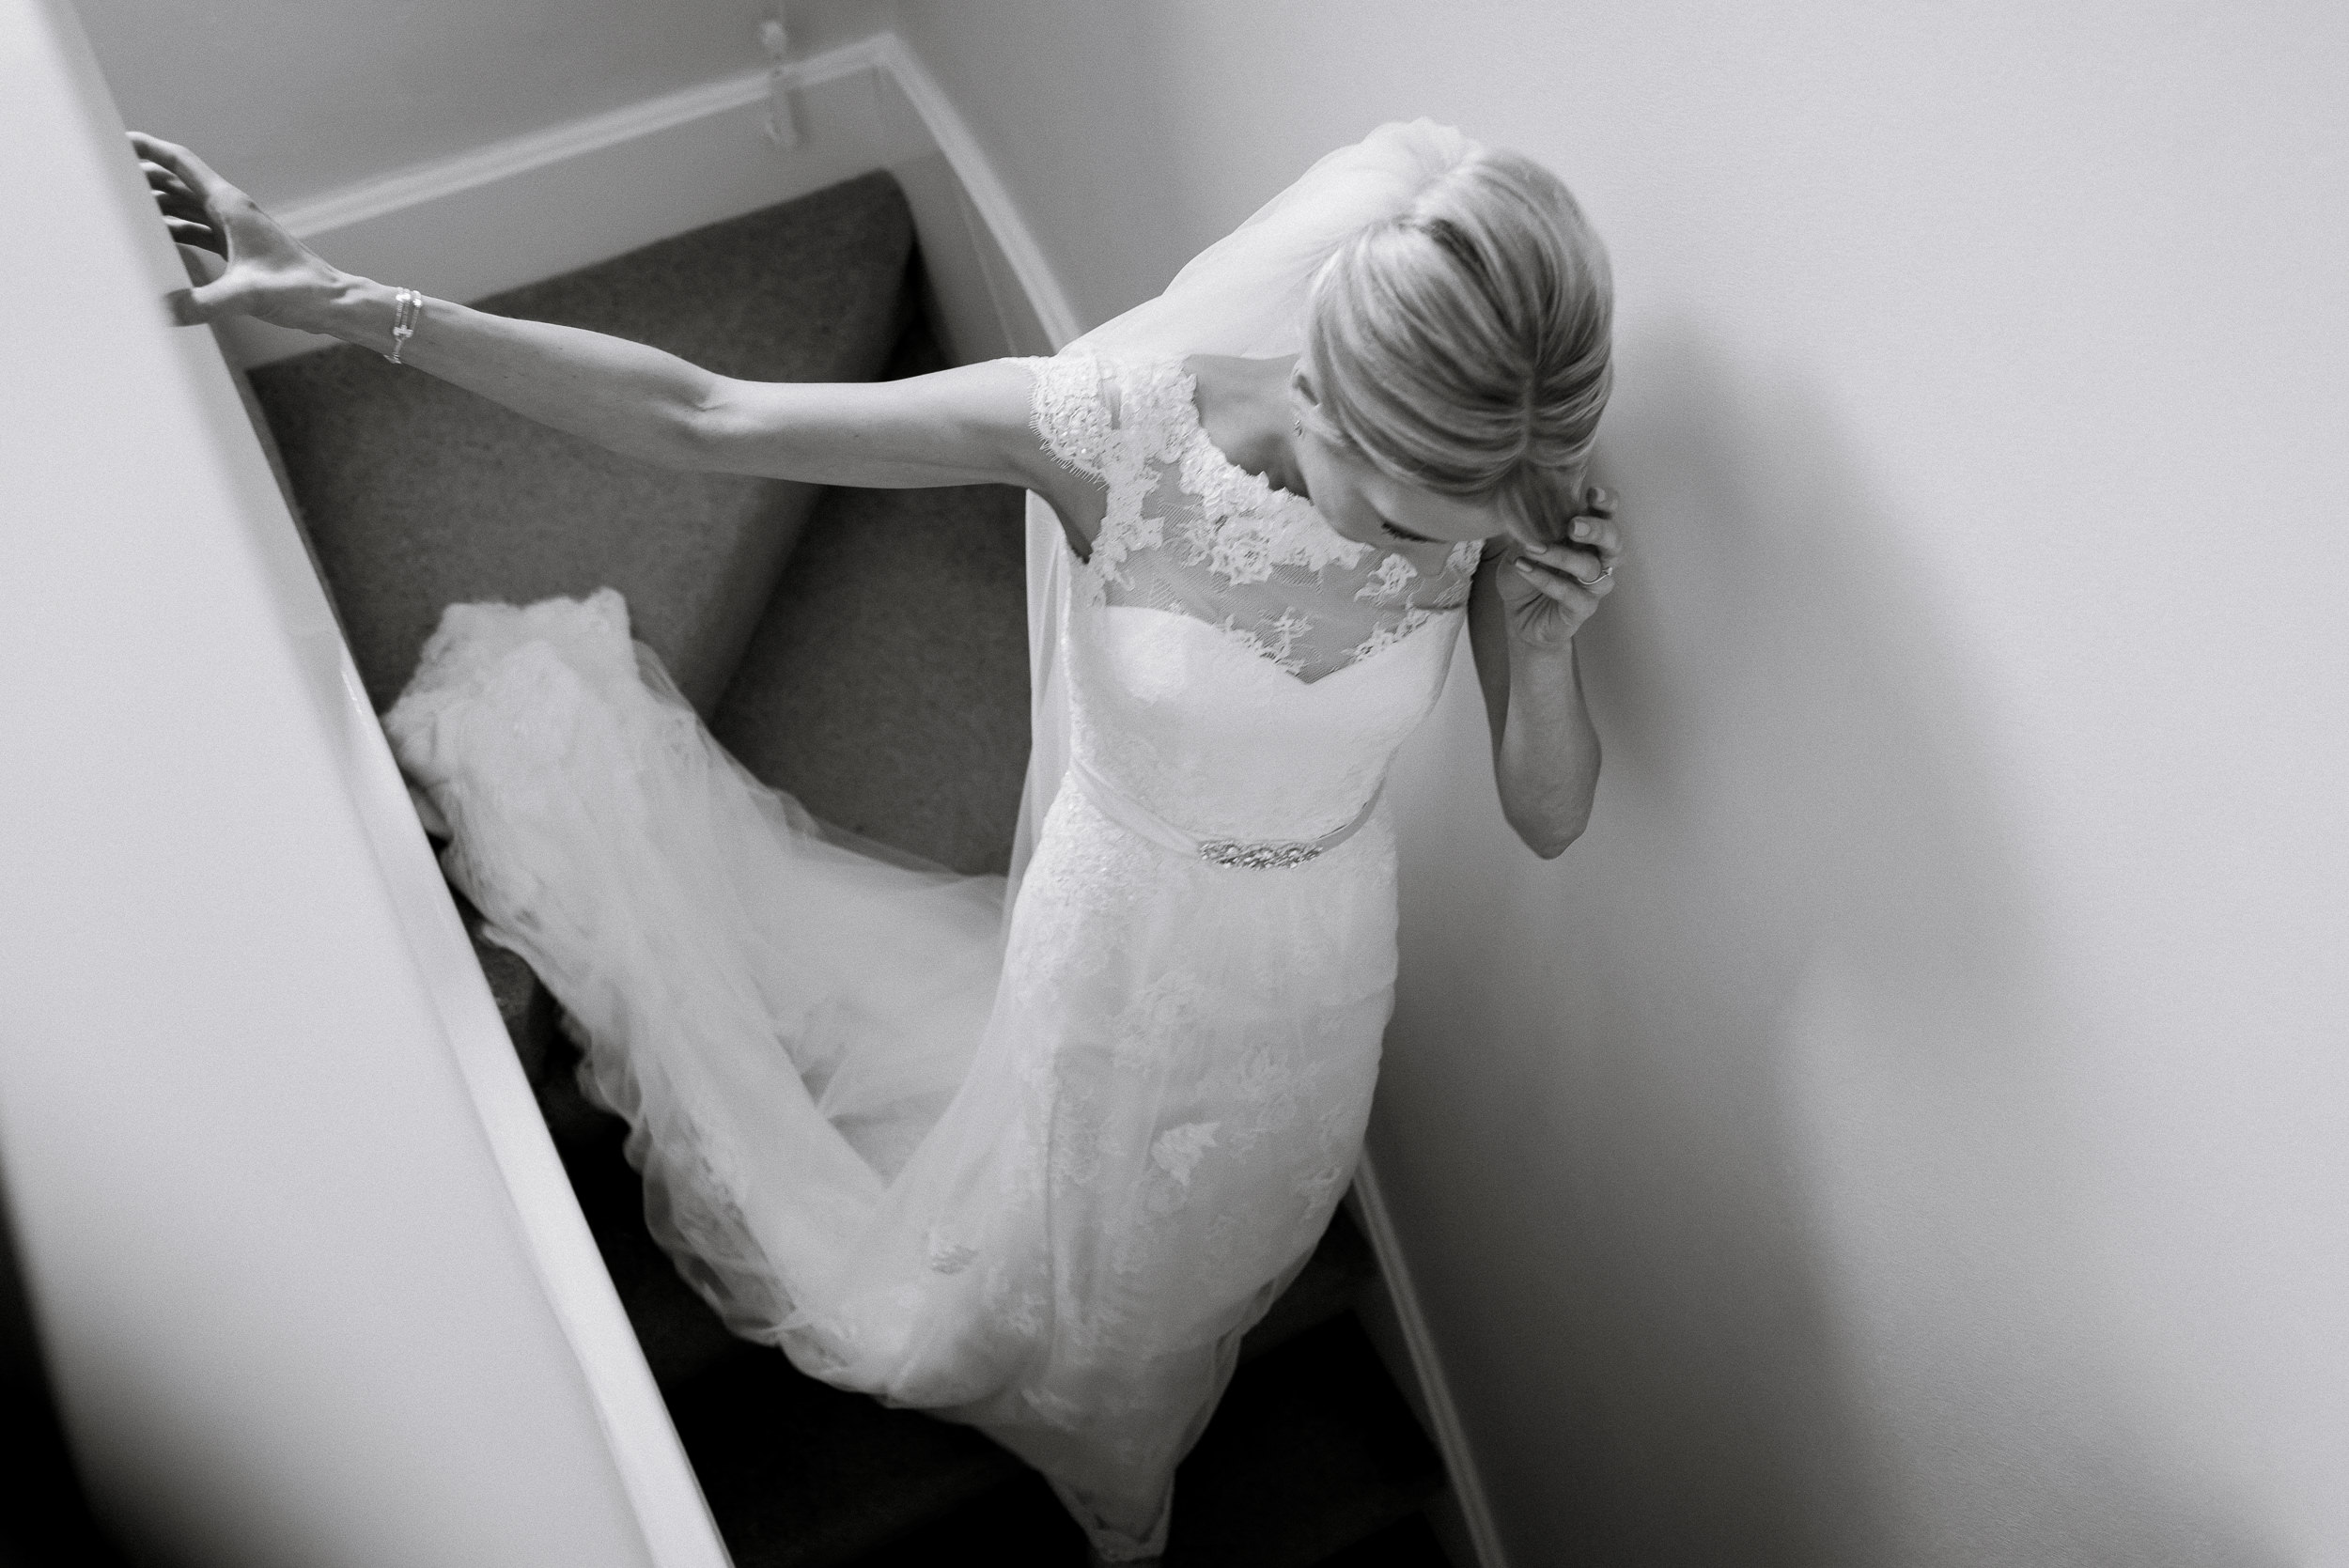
point(1785, 1033)
point(46, 1519)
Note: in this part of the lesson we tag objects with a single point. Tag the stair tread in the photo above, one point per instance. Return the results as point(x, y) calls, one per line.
point(1409, 1543)
point(523, 1005)
point(416, 495)
point(1331, 1280)
point(886, 686)
point(681, 1337)
point(1303, 1462)
point(800, 1474)
point(1312, 1453)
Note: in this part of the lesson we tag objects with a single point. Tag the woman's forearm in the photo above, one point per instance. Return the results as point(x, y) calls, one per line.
point(1546, 749)
point(634, 399)
point(960, 426)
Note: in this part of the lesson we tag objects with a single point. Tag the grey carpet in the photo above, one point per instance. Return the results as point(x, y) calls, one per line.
point(417, 495)
point(886, 686)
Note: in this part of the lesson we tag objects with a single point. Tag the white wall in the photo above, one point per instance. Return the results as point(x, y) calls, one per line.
point(523, 162)
point(294, 99)
point(1913, 1126)
point(309, 1282)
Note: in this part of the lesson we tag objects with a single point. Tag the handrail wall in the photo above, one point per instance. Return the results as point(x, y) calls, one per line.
point(309, 1281)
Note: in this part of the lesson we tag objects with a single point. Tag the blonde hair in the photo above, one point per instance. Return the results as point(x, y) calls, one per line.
point(1464, 344)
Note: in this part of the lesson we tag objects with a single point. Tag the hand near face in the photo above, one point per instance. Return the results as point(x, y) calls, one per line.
point(1550, 590)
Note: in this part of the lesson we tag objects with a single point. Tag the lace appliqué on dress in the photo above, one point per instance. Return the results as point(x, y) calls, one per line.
point(1068, 411)
point(1188, 530)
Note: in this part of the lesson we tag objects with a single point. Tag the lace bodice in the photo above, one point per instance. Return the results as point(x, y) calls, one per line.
point(1237, 664)
point(1189, 531)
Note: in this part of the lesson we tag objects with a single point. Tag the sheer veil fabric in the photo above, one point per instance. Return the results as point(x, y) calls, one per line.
point(1033, 1158)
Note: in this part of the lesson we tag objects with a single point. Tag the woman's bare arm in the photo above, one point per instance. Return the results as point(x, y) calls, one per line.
point(961, 427)
point(1524, 609)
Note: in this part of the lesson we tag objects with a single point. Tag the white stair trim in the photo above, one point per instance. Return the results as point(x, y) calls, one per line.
point(1444, 1415)
point(423, 225)
point(485, 165)
point(988, 193)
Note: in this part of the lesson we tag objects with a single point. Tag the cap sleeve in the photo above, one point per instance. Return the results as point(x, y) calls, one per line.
point(1069, 410)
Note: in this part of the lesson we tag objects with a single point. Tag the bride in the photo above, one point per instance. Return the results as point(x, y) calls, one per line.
point(1035, 1156)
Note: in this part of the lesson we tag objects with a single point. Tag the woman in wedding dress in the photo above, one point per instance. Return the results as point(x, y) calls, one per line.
point(1034, 1156)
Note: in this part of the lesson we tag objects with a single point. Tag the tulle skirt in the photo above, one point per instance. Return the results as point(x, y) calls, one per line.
point(1036, 1173)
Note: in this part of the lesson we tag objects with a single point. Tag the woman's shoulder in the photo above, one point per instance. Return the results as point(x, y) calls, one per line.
point(1084, 402)
point(1115, 378)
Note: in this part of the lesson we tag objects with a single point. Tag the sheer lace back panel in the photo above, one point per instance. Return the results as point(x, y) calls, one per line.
point(1189, 532)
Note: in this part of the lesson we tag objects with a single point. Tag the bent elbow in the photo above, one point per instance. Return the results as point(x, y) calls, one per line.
point(694, 440)
point(702, 428)
point(1550, 847)
point(1549, 838)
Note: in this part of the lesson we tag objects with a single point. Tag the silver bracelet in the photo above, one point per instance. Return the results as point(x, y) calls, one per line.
point(407, 310)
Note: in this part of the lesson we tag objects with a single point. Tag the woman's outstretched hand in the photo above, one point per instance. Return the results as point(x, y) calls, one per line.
point(1550, 590)
point(260, 269)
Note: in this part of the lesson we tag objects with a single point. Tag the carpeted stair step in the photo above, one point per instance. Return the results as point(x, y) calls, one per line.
point(1409, 1543)
point(417, 495)
point(528, 1011)
point(886, 684)
point(1311, 1451)
point(886, 687)
point(802, 1475)
point(1310, 1455)
point(1333, 1278)
point(681, 1337)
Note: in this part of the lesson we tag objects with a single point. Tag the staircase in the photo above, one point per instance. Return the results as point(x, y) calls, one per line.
point(882, 679)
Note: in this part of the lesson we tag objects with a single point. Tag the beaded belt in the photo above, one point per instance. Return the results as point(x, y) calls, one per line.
point(1252, 855)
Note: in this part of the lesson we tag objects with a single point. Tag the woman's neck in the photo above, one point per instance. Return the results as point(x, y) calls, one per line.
point(1244, 407)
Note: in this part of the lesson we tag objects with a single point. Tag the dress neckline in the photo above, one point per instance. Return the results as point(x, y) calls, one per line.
point(1255, 492)
point(1262, 496)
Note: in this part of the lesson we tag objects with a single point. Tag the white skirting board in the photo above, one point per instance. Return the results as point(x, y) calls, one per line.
point(538, 206)
point(1398, 1329)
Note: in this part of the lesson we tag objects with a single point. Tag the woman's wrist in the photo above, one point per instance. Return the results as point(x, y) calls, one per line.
point(354, 309)
point(1541, 648)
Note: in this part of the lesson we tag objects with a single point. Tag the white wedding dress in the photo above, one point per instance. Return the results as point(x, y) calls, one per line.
point(1031, 1163)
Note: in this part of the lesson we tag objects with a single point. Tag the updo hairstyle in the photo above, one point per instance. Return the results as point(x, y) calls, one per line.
point(1463, 345)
